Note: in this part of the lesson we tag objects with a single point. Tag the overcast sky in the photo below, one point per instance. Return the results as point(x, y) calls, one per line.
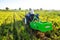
point(34, 4)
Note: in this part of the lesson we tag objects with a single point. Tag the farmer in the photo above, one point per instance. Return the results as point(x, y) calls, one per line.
point(29, 16)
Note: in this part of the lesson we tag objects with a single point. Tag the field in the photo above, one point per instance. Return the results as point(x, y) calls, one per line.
point(12, 26)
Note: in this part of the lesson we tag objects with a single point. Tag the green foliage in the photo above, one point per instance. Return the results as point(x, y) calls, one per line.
point(12, 27)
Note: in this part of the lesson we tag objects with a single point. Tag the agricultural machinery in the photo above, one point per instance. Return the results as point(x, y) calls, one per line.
point(37, 25)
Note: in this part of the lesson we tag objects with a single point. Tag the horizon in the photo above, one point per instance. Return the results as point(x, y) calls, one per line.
point(34, 4)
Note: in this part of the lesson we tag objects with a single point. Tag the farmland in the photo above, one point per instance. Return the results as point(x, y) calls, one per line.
point(12, 26)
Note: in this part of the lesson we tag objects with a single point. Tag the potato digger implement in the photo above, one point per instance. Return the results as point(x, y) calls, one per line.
point(41, 26)
point(38, 25)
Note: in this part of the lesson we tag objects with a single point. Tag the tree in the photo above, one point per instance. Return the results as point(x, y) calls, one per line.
point(7, 8)
point(40, 8)
point(19, 8)
point(0, 9)
point(30, 9)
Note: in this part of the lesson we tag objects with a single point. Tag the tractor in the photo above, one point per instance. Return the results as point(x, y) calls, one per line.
point(38, 27)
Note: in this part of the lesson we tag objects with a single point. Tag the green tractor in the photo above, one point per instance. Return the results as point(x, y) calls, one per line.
point(39, 26)
point(36, 24)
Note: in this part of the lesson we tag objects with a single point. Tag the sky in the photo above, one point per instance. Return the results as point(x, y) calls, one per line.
point(34, 4)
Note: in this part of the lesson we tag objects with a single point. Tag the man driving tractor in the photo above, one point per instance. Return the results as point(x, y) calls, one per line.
point(30, 16)
point(32, 20)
